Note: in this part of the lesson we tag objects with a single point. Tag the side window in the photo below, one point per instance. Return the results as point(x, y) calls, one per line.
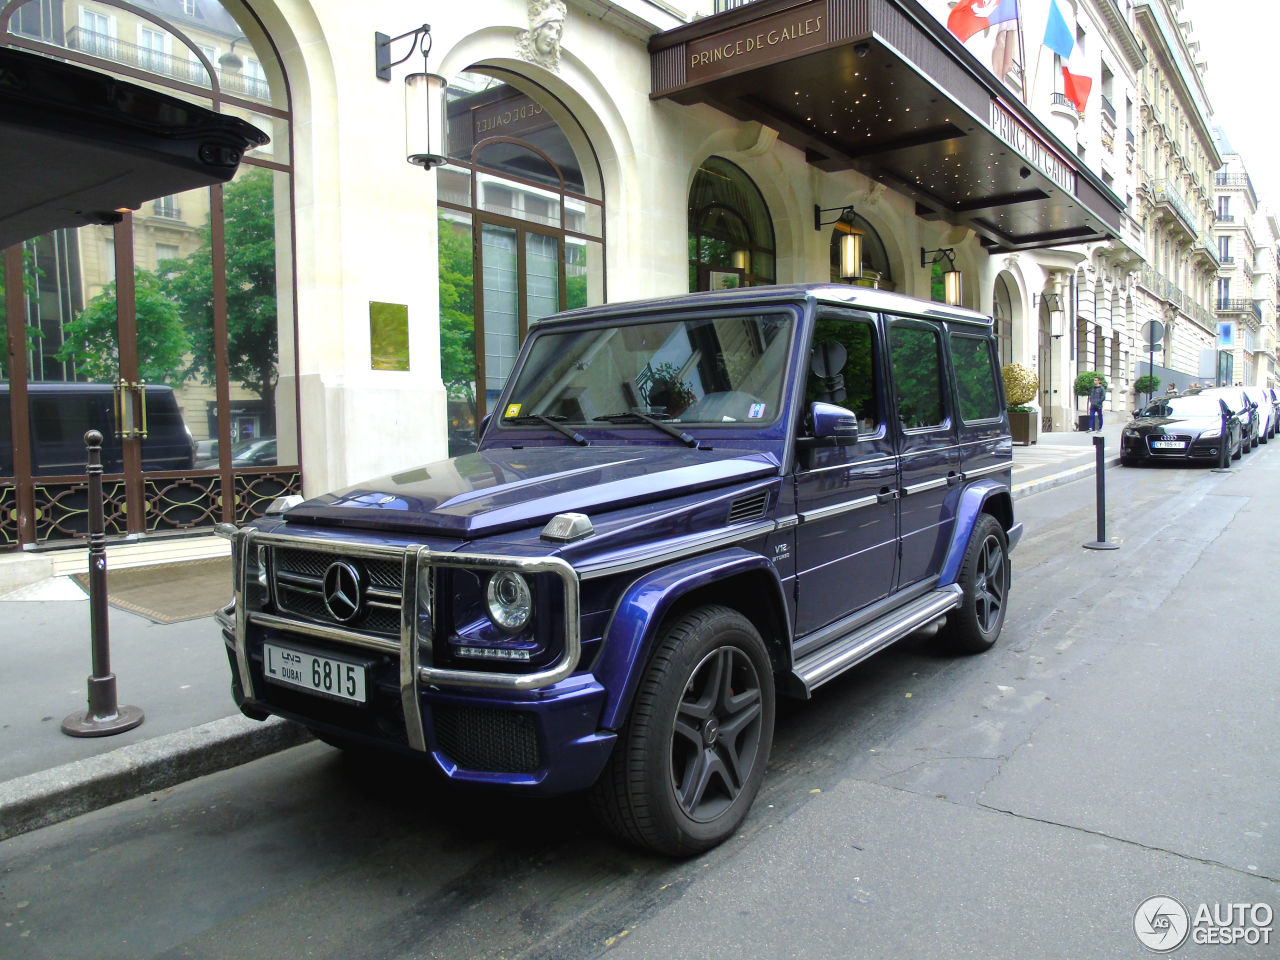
point(975, 378)
point(857, 389)
point(915, 351)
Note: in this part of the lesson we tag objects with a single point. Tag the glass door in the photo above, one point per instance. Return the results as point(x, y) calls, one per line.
point(522, 272)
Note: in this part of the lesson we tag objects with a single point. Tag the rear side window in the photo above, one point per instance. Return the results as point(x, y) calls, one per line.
point(976, 382)
point(916, 353)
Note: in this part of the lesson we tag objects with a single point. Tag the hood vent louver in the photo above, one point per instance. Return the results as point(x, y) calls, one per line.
point(749, 507)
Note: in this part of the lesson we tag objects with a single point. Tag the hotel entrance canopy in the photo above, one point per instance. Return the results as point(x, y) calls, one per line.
point(881, 87)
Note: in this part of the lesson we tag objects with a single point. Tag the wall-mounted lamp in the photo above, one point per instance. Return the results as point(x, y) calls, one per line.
point(741, 260)
point(1051, 300)
point(425, 102)
point(952, 279)
point(850, 243)
point(230, 61)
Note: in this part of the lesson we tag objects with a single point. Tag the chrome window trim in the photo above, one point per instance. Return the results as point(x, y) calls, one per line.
point(839, 508)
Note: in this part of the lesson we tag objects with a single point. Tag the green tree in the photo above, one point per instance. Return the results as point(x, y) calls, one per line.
point(457, 313)
point(91, 344)
point(252, 336)
point(31, 274)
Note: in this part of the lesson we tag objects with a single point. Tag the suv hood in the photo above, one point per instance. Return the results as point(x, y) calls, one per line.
point(497, 490)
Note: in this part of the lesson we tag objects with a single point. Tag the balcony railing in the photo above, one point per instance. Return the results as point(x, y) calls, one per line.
point(1240, 306)
point(1226, 261)
point(1226, 218)
point(1165, 193)
point(163, 64)
point(723, 5)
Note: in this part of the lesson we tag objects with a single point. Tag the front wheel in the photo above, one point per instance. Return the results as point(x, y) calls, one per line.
point(984, 582)
point(690, 760)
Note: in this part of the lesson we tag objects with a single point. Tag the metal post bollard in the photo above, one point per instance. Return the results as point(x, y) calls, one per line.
point(103, 717)
point(1100, 473)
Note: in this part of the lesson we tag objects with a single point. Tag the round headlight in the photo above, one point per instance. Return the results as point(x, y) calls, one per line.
point(510, 600)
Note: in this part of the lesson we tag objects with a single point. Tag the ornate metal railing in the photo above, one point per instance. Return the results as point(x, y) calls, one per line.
point(155, 61)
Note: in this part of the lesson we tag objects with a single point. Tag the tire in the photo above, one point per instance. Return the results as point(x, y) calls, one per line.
point(984, 580)
point(1239, 452)
point(692, 755)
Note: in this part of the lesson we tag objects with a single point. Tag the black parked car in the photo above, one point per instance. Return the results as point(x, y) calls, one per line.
point(1181, 429)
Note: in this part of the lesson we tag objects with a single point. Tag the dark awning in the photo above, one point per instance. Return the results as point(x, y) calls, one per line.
point(76, 145)
point(880, 86)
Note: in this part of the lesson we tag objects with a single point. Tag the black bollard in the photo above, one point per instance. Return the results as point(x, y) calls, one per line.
point(103, 717)
point(1100, 474)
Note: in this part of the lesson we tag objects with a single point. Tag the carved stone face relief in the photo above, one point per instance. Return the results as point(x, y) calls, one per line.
point(541, 42)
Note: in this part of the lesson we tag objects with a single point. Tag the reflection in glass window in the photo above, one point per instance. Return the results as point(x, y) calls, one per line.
point(693, 370)
point(731, 240)
point(975, 378)
point(856, 389)
point(915, 352)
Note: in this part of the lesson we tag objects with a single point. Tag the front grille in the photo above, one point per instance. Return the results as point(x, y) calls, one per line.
point(298, 579)
point(492, 741)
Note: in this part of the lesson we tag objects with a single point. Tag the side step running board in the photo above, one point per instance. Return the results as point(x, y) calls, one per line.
point(838, 656)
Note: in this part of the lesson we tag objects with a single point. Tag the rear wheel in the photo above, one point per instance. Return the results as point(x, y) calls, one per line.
point(690, 760)
point(984, 580)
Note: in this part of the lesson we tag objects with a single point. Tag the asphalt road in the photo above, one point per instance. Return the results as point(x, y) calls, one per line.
point(1118, 744)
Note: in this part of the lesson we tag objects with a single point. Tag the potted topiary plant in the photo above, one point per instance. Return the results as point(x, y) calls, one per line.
point(1020, 388)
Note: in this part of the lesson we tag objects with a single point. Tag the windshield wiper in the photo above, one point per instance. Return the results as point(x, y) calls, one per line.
point(635, 416)
point(554, 423)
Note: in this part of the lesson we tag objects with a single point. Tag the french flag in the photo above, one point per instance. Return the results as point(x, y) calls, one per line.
point(970, 16)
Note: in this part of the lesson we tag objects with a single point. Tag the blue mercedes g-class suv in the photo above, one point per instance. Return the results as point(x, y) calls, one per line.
point(678, 510)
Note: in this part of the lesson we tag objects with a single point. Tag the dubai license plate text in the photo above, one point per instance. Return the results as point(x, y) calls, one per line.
point(323, 675)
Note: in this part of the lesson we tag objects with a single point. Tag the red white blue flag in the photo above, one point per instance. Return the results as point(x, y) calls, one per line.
point(970, 16)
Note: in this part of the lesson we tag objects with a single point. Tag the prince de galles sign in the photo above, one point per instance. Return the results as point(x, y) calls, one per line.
point(760, 42)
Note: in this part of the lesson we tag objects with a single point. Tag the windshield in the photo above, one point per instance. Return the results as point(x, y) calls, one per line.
point(1182, 407)
point(724, 369)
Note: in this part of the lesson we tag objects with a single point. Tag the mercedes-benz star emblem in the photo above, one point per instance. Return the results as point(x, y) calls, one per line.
point(342, 591)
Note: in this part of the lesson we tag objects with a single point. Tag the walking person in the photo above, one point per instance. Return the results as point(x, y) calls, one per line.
point(1097, 394)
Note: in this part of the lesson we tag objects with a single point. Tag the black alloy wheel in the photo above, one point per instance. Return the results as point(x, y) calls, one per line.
point(692, 756)
point(984, 582)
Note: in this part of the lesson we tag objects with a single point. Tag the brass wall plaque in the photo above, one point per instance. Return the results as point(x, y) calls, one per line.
point(388, 336)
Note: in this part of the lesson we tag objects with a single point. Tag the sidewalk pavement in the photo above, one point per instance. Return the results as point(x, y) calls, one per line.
point(178, 675)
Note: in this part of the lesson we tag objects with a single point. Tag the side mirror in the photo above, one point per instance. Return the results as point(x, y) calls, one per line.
point(833, 426)
point(484, 425)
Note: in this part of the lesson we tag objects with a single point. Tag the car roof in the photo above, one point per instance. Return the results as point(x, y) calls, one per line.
point(836, 294)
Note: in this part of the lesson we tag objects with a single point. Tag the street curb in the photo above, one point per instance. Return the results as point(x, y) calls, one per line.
point(1058, 479)
point(51, 796)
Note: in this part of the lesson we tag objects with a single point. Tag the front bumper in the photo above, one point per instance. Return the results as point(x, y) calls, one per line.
point(536, 731)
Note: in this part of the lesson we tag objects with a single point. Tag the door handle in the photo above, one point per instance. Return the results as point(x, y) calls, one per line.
point(123, 391)
point(142, 399)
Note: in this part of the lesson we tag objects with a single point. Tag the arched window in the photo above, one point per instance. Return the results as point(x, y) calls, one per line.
point(1002, 310)
point(730, 233)
point(181, 314)
point(521, 212)
point(876, 270)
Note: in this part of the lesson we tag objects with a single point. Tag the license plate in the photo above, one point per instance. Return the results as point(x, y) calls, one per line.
point(1168, 444)
point(326, 676)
